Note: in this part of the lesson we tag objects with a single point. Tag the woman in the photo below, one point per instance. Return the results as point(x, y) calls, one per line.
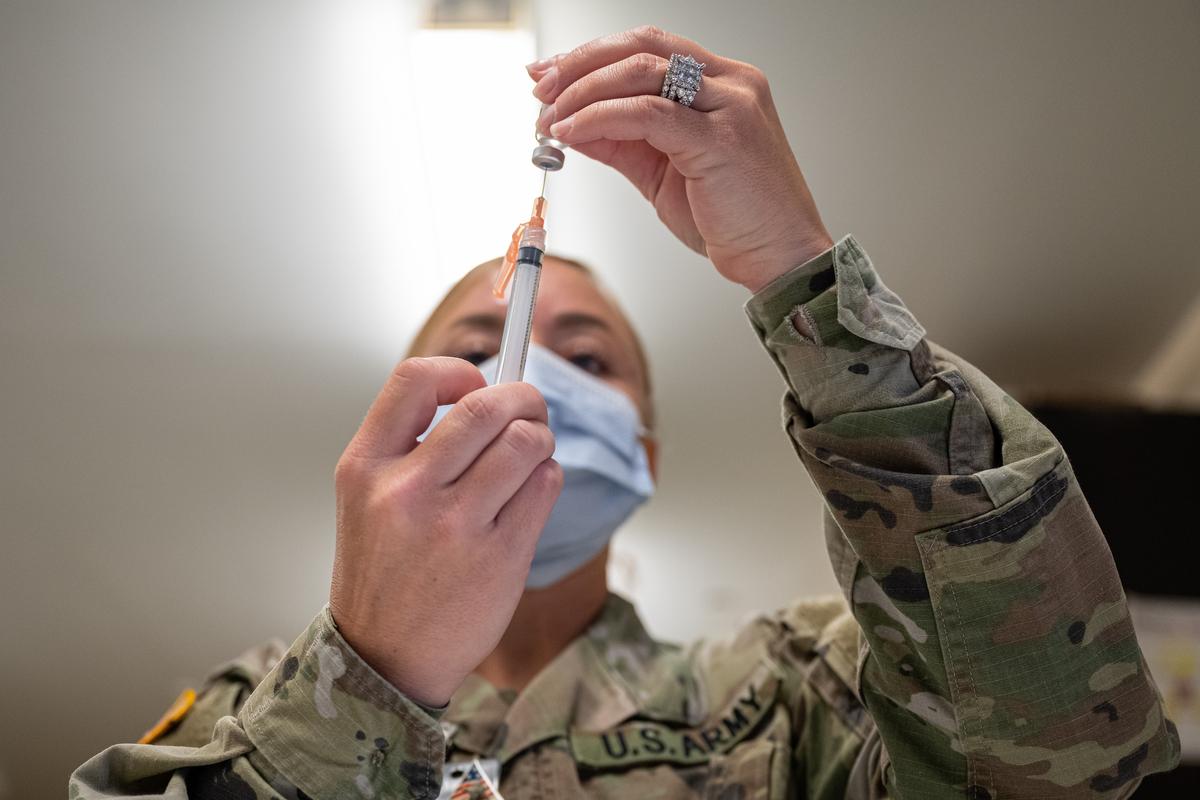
point(985, 650)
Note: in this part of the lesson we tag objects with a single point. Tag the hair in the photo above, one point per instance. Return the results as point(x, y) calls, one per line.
point(420, 342)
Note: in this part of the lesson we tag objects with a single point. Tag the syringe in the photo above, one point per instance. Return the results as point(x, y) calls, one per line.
point(523, 268)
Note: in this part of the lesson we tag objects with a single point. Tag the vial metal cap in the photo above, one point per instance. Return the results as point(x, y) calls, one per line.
point(548, 157)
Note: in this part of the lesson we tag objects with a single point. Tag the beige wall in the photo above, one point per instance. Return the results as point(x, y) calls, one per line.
point(191, 320)
point(1171, 378)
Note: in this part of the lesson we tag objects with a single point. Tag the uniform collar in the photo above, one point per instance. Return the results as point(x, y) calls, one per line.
point(612, 672)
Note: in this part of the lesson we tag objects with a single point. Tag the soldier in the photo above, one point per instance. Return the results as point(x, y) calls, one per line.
point(983, 650)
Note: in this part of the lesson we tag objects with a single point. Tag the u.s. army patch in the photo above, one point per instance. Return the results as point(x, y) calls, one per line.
point(644, 741)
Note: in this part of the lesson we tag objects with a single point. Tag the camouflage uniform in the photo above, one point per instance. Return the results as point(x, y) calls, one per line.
point(983, 648)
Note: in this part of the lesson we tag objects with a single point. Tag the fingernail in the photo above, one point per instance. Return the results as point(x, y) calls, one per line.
point(562, 128)
point(546, 118)
point(546, 85)
point(537, 67)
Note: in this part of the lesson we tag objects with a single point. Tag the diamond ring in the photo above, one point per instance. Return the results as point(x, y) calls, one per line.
point(682, 80)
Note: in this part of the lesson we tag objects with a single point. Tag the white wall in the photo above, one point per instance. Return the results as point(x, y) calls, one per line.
point(207, 217)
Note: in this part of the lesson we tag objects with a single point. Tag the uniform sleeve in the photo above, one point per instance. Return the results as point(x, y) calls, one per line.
point(999, 656)
point(322, 724)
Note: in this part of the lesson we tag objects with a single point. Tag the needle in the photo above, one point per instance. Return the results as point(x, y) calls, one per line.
point(545, 176)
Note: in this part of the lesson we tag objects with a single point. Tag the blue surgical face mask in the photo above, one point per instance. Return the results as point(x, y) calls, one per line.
point(606, 471)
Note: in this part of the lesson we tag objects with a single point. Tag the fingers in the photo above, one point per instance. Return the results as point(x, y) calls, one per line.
point(504, 467)
point(664, 124)
point(406, 404)
point(572, 66)
point(639, 74)
point(521, 520)
point(472, 425)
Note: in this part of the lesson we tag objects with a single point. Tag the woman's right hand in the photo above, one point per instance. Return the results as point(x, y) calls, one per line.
point(720, 174)
point(435, 539)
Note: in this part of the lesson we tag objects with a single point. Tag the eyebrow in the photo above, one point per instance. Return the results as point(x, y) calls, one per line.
point(489, 323)
point(578, 319)
point(570, 321)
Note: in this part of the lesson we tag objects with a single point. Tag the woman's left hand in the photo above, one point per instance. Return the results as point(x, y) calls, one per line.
point(720, 174)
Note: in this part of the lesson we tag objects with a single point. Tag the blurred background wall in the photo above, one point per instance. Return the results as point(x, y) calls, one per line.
point(220, 223)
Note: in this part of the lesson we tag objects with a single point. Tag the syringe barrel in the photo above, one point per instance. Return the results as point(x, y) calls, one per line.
point(518, 321)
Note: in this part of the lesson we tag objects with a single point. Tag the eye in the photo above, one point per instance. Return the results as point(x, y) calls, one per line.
point(590, 363)
point(476, 357)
